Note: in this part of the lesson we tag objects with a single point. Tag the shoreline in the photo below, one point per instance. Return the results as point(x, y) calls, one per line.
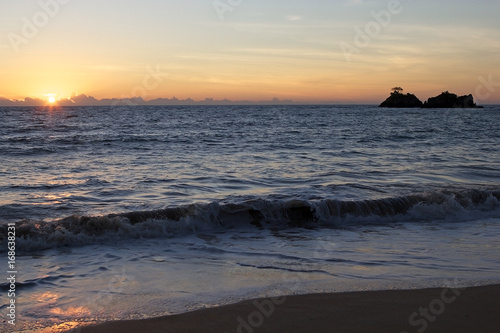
point(472, 309)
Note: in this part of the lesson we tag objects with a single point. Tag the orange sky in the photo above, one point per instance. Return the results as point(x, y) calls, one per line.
point(350, 51)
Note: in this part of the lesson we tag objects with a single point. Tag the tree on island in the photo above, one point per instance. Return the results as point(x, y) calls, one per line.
point(398, 100)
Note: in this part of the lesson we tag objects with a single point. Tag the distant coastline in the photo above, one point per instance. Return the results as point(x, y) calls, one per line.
point(84, 100)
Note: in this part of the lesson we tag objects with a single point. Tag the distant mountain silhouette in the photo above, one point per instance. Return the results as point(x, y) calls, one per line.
point(84, 100)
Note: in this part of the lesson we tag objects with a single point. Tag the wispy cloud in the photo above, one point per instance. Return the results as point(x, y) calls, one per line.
point(293, 18)
point(353, 2)
point(116, 68)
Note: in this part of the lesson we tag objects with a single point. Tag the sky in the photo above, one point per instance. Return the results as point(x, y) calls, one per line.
point(346, 51)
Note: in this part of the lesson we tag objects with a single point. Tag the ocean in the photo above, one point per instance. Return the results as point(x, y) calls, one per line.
point(134, 212)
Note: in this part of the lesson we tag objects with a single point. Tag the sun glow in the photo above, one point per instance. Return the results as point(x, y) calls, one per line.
point(51, 98)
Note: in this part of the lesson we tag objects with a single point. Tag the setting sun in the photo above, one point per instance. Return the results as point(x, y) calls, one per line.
point(52, 99)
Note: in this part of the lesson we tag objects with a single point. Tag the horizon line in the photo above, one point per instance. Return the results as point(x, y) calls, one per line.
point(88, 100)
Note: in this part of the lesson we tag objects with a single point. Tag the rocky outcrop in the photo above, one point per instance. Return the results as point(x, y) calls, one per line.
point(445, 100)
point(449, 100)
point(399, 100)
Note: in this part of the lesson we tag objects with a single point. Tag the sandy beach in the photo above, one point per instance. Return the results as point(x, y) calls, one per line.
point(429, 310)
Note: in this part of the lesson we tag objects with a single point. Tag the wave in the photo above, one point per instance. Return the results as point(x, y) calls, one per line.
point(448, 206)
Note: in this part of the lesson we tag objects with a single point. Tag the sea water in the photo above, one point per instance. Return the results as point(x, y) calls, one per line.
point(135, 212)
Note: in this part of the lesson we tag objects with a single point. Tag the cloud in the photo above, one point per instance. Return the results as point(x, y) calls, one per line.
point(28, 101)
point(354, 2)
point(115, 68)
point(294, 18)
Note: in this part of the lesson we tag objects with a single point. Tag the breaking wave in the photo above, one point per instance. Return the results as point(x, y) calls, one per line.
point(439, 206)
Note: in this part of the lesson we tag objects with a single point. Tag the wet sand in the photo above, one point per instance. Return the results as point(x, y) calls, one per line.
point(430, 310)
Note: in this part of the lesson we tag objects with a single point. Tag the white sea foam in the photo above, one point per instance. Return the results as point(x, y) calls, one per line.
point(152, 277)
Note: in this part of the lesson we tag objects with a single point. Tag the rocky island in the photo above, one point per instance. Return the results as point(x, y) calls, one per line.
point(449, 100)
point(399, 100)
point(445, 100)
